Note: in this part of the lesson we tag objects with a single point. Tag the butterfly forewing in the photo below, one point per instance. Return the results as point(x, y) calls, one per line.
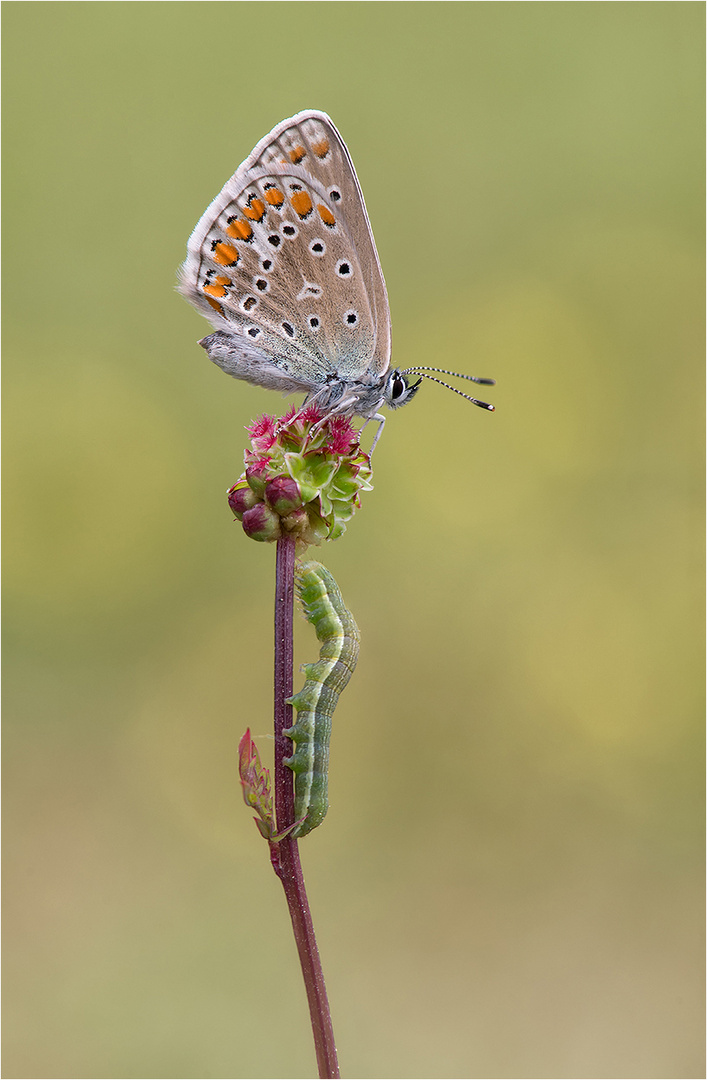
point(284, 259)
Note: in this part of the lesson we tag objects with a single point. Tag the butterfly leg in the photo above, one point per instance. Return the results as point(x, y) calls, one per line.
point(342, 406)
point(381, 423)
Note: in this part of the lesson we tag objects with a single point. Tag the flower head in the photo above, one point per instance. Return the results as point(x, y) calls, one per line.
point(303, 477)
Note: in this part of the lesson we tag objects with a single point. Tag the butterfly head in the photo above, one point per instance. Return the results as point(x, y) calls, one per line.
point(398, 391)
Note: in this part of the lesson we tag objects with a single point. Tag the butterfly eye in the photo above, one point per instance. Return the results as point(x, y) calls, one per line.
point(399, 390)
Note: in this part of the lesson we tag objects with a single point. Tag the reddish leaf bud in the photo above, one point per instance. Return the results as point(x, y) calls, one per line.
point(256, 785)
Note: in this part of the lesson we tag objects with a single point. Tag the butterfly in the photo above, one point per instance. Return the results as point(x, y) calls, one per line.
point(284, 265)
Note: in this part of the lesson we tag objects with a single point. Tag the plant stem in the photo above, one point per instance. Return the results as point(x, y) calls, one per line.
point(285, 854)
point(284, 606)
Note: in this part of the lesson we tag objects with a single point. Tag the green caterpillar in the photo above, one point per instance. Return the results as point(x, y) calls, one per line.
point(316, 701)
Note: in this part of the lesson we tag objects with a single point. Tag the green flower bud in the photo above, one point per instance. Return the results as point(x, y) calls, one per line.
point(257, 476)
point(296, 522)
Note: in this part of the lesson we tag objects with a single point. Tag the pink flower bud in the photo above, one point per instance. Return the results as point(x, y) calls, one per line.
point(241, 499)
point(261, 523)
point(282, 495)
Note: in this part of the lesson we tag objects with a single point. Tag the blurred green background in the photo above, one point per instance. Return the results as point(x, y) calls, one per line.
point(509, 882)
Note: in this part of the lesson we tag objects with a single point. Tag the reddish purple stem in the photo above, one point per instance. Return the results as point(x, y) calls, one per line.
point(285, 854)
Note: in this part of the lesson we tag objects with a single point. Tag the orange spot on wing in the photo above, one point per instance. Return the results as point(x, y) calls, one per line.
point(224, 254)
point(321, 149)
point(215, 288)
point(302, 203)
point(216, 306)
point(297, 154)
point(239, 230)
point(255, 209)
point(275, 197)
point(326, 214)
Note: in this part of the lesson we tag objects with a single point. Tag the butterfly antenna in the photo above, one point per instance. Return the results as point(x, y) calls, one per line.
point(473, 400)
point(456, 374)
